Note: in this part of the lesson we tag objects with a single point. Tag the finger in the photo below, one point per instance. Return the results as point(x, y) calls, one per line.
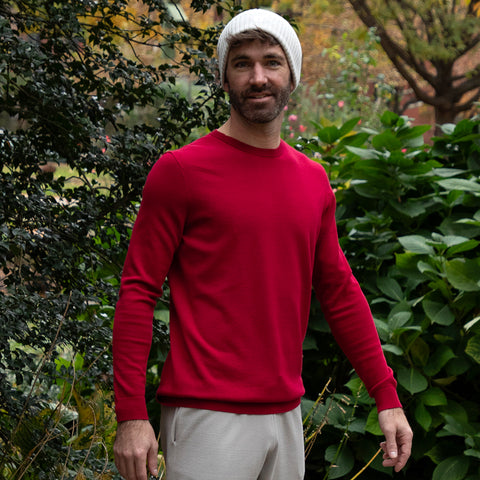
point(391, 448)
point(152, 460)
point(140, 465)
point(404, 455)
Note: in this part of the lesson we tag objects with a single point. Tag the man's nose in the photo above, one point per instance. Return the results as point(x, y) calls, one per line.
point(258, 76)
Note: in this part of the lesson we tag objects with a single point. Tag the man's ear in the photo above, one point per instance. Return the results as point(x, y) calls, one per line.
point(225, 85)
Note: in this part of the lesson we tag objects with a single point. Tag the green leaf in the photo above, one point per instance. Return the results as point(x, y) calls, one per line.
point(423, 417)
point(462, 247)
point(471, 452)
point(329, 135)
point(386, 140)
point(414, 132)
point(389, 118)
point(438, 312)
point(464, 274)
point(390, 287)
point(471, 323)
point(416, 244)
point(399, 320)
point(473, 348)
point(434, 397)
point(309, 343)
point(372, 425)
point(365, 153)
point(452, 468)
point(348, 126)
point(438, 360)
point(460, 184)
point(395, 349)
point(341, 462)
point(420, 351)
point(412, 380)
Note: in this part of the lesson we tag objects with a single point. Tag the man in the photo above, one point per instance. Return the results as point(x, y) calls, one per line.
point(243, 226)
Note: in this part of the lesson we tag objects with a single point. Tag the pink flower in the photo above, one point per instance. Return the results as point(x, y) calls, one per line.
point(404, 150)
point(292, 118)
point(341, 103)
point(291, 135)
point(285, 108)
point(302, 128)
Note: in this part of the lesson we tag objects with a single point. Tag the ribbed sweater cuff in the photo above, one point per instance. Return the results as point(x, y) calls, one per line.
point(387, 398)
point(131, 408)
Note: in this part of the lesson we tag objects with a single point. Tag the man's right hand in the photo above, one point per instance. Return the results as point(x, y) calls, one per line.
point(136, 447)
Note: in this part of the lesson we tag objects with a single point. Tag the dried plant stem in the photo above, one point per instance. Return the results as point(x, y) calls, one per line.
point(367, 465)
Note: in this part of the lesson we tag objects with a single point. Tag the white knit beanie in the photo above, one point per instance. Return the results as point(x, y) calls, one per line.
point(270, 22)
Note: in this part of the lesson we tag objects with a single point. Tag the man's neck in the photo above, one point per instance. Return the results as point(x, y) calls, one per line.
point(260, 135)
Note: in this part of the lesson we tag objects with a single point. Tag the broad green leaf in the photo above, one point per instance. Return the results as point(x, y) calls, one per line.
point(473, 348)
point(365, 153)
point(395, 349)
point(411, 208)
point(399, 320)
point(425, 267)
point(464, 274)
point(438, 312)
point(348, 126)
point(447, 172)
point(438, 360)
point(471, 323)
point(462, 128)
point(420, 351)
point(390, 287)
point(452, 468)
point(386, 140)
point(414, 132)
point(452, 240)
point(372, 425)
point(465, 246)
point(422, 416)
point(329, 135)
point(460, 184)
point(457, 427)
point(416, 244)
point(342, 462)
point(412, 380)
point(309, 343)
point(472, 452)
point(434, 397)
point(389, 118)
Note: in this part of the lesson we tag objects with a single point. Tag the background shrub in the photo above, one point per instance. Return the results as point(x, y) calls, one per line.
point(408, 217)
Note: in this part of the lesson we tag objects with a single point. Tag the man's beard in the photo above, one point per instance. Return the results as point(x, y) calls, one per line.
point(260, 113)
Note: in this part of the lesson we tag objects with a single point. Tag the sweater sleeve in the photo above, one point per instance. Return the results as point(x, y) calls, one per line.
point(155, 237)
point(348, 313)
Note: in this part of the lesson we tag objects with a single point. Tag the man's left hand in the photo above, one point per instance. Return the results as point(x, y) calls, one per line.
point(398, 436)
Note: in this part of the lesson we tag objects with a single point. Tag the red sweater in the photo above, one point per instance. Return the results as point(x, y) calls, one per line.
point(242, 233)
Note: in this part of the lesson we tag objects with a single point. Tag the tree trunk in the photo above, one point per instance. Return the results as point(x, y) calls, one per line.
point(443, 115)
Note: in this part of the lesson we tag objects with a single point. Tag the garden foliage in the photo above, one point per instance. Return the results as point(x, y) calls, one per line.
point(73, 87)
point(408, 214)
point(409, 222)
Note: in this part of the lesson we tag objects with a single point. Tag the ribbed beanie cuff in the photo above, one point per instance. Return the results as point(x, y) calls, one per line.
point(267, 21)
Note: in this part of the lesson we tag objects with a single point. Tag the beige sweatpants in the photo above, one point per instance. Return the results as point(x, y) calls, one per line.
point(209, 445)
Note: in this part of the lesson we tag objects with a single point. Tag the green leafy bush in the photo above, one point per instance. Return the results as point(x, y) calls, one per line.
point(409, 222)
point(87, 88)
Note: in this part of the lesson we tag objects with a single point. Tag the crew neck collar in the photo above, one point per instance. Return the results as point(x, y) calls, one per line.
point(245, 147)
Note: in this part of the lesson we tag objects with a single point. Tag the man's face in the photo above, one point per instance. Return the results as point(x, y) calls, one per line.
point(258, 81)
